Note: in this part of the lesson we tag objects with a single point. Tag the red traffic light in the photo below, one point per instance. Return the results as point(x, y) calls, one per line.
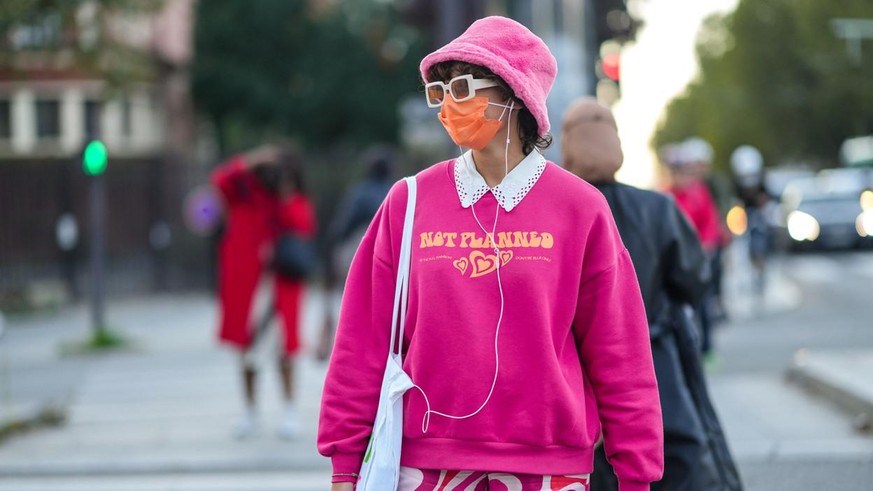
point(611, 65)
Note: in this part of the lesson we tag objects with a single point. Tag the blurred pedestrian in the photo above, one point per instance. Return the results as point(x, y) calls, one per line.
point(699, 154)
point(672, 270)
point(264, 198)
point(518, 280)
point(695, 200)
point(358, 207)
point(747, 164)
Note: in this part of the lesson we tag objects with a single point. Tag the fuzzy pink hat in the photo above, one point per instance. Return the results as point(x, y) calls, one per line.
point(513, 53)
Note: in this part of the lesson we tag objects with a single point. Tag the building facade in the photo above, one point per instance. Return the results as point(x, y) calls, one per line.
point(70, 73)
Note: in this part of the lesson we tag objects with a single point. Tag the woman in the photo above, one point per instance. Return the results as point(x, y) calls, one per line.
point(264, 196)
point(526, 332)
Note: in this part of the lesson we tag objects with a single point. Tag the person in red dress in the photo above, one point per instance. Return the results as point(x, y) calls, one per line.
point(264, 195)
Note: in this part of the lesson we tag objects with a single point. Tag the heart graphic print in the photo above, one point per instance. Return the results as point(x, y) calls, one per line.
point(475, 255)
point(483, 264)
point(461, 265)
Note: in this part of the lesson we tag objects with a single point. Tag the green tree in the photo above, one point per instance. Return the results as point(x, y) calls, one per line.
point(82, 35)
point(774, 75)
point(322, 74)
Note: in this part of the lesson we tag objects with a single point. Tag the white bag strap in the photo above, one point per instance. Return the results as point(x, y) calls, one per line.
point(401, 290)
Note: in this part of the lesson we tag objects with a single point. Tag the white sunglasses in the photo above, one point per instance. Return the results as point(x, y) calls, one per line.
point(462, 88)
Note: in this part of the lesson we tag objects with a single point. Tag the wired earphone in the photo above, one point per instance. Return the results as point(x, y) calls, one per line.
point(425, 423)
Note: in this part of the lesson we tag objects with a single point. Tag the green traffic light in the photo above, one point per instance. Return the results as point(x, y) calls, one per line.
point(94, 158)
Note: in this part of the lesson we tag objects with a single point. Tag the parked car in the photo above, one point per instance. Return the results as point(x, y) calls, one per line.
point(833, 210)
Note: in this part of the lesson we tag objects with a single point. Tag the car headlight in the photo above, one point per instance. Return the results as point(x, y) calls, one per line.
point(802, 226)
point(864, 223)
point(867, 201)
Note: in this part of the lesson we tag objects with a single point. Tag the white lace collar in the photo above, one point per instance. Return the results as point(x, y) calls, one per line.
point(509, 193)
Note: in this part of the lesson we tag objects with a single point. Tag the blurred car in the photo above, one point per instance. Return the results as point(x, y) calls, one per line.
point(777, 179)
point(833, 210)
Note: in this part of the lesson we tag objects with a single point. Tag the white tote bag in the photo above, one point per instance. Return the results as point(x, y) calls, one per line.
point(380, 470)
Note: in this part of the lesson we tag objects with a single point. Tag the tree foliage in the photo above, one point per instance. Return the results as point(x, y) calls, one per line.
point(80, 36)
point(774, 74)
point(321, 74)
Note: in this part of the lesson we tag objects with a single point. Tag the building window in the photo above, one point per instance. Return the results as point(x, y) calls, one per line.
point(92, 119)
point(39, 33)
point(48, 121)
point(5, 119)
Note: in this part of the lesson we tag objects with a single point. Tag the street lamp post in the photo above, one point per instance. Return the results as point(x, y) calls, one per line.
point(94, 161)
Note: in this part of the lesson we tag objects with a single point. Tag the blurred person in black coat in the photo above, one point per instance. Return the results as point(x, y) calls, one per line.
point(673, 273)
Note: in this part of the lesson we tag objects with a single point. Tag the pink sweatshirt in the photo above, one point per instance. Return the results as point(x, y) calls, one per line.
point(574, 353)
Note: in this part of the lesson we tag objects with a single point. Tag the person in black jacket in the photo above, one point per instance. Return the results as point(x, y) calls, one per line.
point(673, 273)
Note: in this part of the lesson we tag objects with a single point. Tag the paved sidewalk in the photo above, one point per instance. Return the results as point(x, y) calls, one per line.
point(167, 406)
point(841, 378)
point(160, 415)
point(741, 298)
point(845, 378)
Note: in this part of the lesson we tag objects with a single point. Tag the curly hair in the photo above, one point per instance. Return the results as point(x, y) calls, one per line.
point(528, 129)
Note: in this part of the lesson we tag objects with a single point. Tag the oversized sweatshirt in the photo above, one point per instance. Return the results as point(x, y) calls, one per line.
point(573, 358)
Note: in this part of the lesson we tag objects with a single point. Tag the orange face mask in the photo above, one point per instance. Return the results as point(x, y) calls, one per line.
point(466, 122)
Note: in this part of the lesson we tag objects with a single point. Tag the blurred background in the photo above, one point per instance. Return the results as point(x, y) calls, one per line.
point(114, 113)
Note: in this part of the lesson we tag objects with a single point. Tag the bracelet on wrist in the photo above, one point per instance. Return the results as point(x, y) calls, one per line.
point(345, 474)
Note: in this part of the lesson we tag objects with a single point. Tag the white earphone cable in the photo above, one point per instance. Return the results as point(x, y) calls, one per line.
point(425, 422)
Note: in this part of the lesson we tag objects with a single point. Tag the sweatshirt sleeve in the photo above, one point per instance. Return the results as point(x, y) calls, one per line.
point(613, 339)
point(354, 375)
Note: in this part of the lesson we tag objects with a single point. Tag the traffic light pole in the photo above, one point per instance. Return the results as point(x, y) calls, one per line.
point(98, 252)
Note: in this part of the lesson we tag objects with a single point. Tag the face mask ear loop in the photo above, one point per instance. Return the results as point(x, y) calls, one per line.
point(508, 134)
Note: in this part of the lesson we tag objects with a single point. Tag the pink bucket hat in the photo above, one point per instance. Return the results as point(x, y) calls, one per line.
point(513, 53)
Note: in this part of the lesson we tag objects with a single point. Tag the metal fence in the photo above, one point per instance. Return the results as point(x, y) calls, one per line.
point(44, 228)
